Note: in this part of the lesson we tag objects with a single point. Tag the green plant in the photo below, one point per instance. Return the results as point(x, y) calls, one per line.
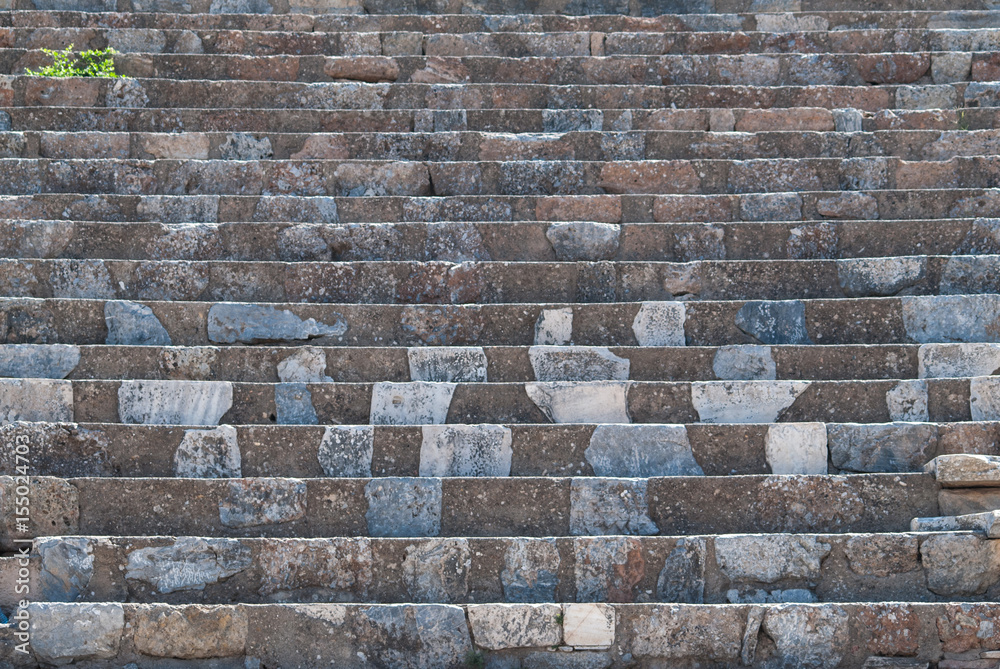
point(963, 123)
point(475, 660)
point(559, 618)
point(66, 63)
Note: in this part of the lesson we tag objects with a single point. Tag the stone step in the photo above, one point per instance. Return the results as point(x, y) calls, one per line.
point(137, 354)
point(894, 320)
point(177, 402)
point(116, 450)
point(784, 69)
point(726, 569)
point(507, 241)
point(309, 121)
point(782, 34)
point(799, 133)
point(808, 206)
point(499, 282)
point(985, 523)
point(781, 69)
point(772, 184)
point(19, 90)
point(471, 507)
point(966, 471)
point(872, 635)
point(815, 19)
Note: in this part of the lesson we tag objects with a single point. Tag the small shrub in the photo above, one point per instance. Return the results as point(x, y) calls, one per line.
point(475, 660)
point(66, 63)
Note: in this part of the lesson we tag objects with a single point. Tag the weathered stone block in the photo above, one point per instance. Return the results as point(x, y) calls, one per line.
point(63, 633)
point(774, 322)
point(451, 364)
point(346, 451)
point(189, 632)
point(588, 625)
point(660, 324)
point(641, 451)
point(465, 450)
point(189, 563)
point(581, 402)
point(796, 448)
point(744, 401)
point(770, 558)
point(255, 502)
point(503, 626)
point(230, 322)
point(414, 403)
point(174, 402)
point(600, 506)
point(402, 507)
point(577, 363)
point(208, 454)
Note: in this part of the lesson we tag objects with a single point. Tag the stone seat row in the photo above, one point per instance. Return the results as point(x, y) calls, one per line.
point(535, 241)
point(502, 282)
point(720, 569)
point(514, 449)
point(135, 353)
point(312, 121)
point(760, 134)
point(178, 402)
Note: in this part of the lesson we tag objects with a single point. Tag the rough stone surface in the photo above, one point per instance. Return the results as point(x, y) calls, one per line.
point(399, 507)
point(67, 567)
point(774, 322)
point(958, 360)
point(984, 398)
point(607, 569)
point(293, 404)
point(660, 324)
point(581, 402)
point(346, 451)
point(964, 470)
point(641, 451)
point(686, 633)
point(744, 363)
point(190, 632)
point(960, 565)
point(189, 563)
point(50, 361)
point(62, 633)
point(174, 402)
point(584, 241)
point(936, 319)
point(414, 403)
point(425, 637)
point(907, 401)
point(577, 363)
point(808, 636)
point(769, 558)
point(451, 364)
point(876, 277)
point(892, 447)
point(682, 578)
point(133, 324)
point(503, 626)
point(244, 146)
point(305, 365)
point(208, 454)
point(600, 506)
point(255, 502)
point(230, 323)
point(796, 448)
point(531, 570)
point(744, 401)
point(465, 450)
point(437, 570)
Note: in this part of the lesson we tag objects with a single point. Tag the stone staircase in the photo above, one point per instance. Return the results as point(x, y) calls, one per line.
point(534, 334)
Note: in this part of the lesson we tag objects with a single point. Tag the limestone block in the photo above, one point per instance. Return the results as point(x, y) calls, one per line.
point(577, 363)
point(878, 277)
point(960, 564)
point(660, 324)
point(255, 502)
point(346, 451)
point(962, 470)
point(189, 563)
point(907, 401)
point(67, 565)
point(958, 360)
point(678, 632)
point(771, 207)
point(603, 506)
point(891, 447)
point(414, 403)
point(421, 637)
point(46, 361)
point(403, 507)
point(770, 558)
point(926, 97)
point(46, 400)
point(931, 319)
point(231, 322)
point(588, 625)
point(504, 626)
point(531, 570)
point(581, 402)
point(208, 454)
point(796, 448)
point(847, 120)
point(584, 240)
point(244, 146)
point(682, 578)
point(454, 364)
point(554, 327)
point(744, 401)
point(774, 322)
point(174, 402)
point(438, 570)
point(62, 633)
point(809, 636)
point(641, 451)
point(293, 404)
point(950, 67)
point(305, 365)
point(984, 398)
point(987, 522)
point(744, 363)
point(338, 567)
point(465, 450)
